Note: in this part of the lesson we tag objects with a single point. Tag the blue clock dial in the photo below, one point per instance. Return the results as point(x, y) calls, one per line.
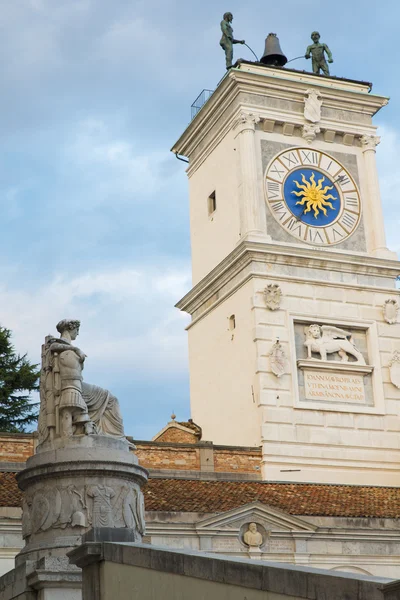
point(312, 196)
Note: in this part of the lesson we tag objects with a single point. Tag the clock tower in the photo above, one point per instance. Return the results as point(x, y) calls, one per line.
point(294, 343)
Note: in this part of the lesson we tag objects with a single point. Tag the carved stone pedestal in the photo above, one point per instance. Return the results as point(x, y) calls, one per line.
point(73, 485)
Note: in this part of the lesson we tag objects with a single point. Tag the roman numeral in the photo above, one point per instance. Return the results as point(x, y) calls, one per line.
point(278, 206)
point(337, 235)
point(291, 159)
point(273, 190)
point(351, 201)
point(348, 220)
point(343, 180)
point(274, 171)
point(309, 157)
point(293, 225)
point(315, 237)
point(329, 166)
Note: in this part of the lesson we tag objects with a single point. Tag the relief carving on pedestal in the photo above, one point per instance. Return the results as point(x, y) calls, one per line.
point(390, 310)
point(53, 507)
point(327, 339)
point(94, 505)
point(273, 296)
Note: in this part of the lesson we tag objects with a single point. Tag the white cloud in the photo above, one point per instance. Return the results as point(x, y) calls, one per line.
point(129, 323)
point(113, 165)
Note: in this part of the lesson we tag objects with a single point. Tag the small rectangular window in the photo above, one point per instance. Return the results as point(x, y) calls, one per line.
point(211, 203)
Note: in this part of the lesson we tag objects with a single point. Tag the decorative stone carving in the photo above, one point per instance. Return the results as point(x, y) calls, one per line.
point(309, 132)
point(246, 120)
point(312, 106)
point(95, 506)
point(390, 310)
point(278, 360)
point(56, 507)
point(369, 142)
point(252, 537)
point(273, 296)
point(394, 368)
point(326, 339)
point(68, 405)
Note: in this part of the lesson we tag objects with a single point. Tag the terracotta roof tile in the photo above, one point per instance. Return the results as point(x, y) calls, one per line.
point(186, 495)
point(183, 495)
point(10, 495)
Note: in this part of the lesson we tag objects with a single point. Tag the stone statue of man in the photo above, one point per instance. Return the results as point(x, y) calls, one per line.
point(68, 405)
point(227, 39)
point(316, 51)
point(253, 537)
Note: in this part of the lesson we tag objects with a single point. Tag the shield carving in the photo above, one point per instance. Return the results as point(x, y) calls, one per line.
point(272, 296)
point(394, 369)
point(278, 359)
point(390, 310)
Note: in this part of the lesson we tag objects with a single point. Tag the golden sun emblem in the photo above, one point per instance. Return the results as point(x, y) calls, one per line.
point(314, 195)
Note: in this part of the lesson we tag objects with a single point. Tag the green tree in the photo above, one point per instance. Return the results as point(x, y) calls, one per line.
point(18, 378)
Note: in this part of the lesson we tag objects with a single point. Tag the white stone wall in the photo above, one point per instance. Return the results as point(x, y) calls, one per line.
point(345, 444)
point(222, 372)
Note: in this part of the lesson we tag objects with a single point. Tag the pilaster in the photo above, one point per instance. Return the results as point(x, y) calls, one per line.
point(374, 203)
point(249, 202)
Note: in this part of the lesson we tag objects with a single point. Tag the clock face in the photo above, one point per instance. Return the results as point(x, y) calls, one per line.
point(312, 196)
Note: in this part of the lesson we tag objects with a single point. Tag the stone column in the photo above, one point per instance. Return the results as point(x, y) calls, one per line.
point(377, 228)
point(250, 218)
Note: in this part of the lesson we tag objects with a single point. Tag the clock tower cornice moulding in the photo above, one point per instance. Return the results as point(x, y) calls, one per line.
point(234, 95)
point(248, 253)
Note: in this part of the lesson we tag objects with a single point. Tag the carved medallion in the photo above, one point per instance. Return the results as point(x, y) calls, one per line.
point(273, 296)
point(252, 537)
point(390, 310)
point(394, 368)
point(278, 359)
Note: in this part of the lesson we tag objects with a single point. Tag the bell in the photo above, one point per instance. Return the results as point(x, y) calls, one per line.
point(273, 55)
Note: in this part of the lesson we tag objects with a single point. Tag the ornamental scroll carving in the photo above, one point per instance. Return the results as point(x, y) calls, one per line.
point(369, 142)
point(83, 507)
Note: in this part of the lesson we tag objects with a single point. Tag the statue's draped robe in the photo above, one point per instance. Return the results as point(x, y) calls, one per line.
point(103, 410)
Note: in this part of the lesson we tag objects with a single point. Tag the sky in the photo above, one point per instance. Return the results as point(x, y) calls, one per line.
point(94, 207)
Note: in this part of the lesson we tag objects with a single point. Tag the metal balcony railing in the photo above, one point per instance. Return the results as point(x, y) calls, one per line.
point(200, 102)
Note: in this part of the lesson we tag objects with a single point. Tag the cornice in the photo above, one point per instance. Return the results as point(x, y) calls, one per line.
point(249, 254)
point(281, 85)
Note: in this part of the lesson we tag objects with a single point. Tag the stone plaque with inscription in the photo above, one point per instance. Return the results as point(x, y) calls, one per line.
point(334, 387)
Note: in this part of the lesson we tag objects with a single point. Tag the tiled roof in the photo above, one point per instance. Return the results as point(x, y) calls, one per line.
point(186, 495)
point(10, 495)
point(294, 498)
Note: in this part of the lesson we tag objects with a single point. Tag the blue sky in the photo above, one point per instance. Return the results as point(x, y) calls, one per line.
point(94, 207)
